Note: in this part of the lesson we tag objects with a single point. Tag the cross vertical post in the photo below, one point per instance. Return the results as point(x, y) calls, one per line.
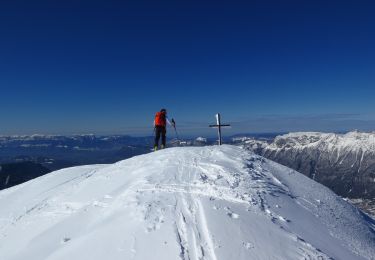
point(218, 122)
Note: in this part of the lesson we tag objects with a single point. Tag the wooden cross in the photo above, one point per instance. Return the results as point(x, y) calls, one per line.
point(219, 126)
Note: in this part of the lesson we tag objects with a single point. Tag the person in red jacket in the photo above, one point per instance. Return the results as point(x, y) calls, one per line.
point(160, 127)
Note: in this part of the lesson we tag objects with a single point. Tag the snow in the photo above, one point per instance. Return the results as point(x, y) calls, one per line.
point(201, 139)
point(355, 141)
point(214, 203)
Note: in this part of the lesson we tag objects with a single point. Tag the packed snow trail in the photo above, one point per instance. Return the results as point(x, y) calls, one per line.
point(213, 203)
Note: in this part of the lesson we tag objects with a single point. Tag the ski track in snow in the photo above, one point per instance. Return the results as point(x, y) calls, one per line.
point(206, 203)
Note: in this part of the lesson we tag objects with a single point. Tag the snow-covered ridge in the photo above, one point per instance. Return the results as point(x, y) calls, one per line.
point(352, 140)
point(181, 203)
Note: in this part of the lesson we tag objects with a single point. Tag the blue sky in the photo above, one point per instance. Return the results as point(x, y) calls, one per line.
point(107, 66)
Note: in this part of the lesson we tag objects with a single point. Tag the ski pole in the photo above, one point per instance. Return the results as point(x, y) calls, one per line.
point(175, 130)
point(178, 138)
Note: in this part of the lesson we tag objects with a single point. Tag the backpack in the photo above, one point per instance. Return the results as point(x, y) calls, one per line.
point(160, 119)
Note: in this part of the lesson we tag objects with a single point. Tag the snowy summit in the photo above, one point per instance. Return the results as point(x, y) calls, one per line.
point(214, 203)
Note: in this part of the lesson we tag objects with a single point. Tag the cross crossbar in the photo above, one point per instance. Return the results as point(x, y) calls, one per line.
point(218, 125)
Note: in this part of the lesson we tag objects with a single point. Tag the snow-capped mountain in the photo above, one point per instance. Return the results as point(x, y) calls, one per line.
point(343, 162)
point(213, 203)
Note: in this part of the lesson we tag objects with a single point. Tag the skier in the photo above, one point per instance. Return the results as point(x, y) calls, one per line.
point(160, 127)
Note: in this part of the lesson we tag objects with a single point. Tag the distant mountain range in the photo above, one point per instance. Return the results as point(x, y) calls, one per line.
point(56, 152)
point(23, 158)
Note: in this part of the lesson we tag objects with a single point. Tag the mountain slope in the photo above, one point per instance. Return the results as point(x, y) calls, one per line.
point(343, 162)
point(181, 203)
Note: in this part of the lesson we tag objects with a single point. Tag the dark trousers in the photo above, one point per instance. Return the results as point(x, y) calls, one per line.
point(160, 131)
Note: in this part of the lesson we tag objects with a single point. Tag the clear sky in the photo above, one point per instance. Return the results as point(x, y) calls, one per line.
point(107, 66)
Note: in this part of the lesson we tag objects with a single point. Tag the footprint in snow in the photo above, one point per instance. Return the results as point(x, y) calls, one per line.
point(248, 245)
point(233, 215)
point(283, 219)
point(65, 240)
point(204, 177)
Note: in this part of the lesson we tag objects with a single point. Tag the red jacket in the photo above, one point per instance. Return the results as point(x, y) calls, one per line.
point(160, 119)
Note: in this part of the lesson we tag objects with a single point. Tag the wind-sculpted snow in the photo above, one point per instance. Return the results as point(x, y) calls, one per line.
point(213, 203)
point(343, 162)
